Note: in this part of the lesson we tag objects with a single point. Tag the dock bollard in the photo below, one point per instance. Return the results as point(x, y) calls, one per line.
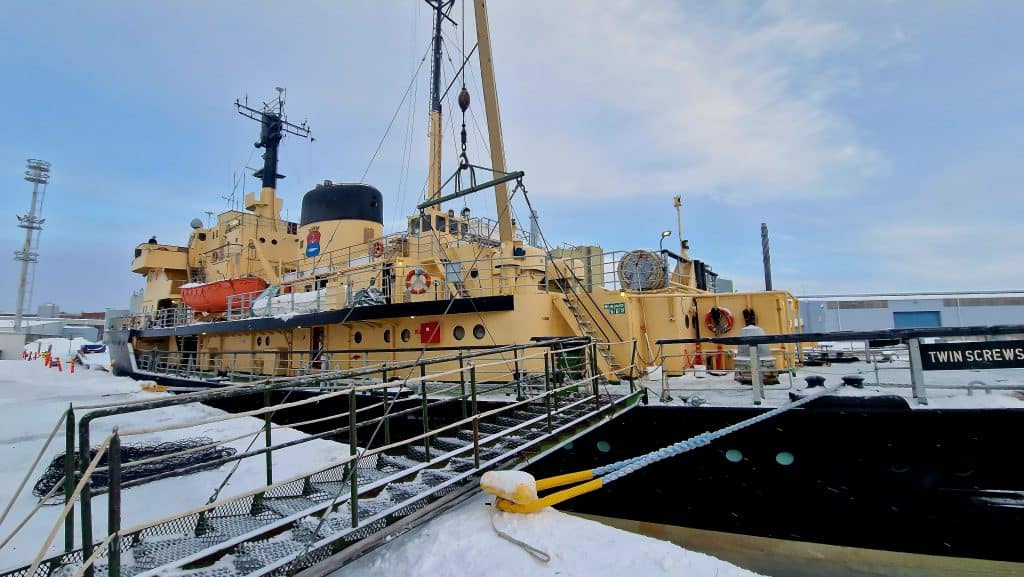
point(855, 381)
point(815, 381)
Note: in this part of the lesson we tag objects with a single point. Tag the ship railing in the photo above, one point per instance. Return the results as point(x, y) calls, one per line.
point(390, 394)
point(276, 360)
point(341, 259)
point(221, 253)
point(172, 317)
point(938, 349)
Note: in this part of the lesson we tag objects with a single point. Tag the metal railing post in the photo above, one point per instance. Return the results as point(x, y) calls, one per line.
point(755, 375)
point(476, 420)
point(916, 373)
point(462, 386)
point(594, 376)
point(387, 403)
point(267, 427)
point(633, 368)
point(423, 410)
point(69, 478)
point(114, 506)
point(85, 498)
point(547, 387)
point(353, 446)
point(517, 376)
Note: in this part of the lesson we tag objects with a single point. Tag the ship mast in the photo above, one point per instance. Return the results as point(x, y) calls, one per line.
point(273, 126)
point(434, 175)
point(490, 90)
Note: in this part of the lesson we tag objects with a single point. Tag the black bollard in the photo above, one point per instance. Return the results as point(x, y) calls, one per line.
point(815, 381)
point(855, 381)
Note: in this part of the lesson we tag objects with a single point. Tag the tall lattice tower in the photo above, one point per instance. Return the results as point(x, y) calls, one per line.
point(38, 173)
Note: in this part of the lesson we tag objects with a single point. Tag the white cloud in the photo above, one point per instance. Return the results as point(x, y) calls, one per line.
point(654, 98)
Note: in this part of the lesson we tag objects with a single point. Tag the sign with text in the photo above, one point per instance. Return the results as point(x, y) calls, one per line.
point(979, 355)
point(615, 308)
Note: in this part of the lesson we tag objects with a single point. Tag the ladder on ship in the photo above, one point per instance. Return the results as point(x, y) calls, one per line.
point(589, 317)
point(329, 515)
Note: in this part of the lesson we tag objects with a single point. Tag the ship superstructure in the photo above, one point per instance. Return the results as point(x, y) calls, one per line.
point(333, 291)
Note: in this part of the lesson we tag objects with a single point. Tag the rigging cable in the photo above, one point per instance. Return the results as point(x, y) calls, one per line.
point(408, 89)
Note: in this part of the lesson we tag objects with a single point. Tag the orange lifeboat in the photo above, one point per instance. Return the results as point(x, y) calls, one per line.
point(212, 297)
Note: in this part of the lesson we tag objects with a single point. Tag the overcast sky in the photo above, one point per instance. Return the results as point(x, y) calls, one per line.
point(880, 141)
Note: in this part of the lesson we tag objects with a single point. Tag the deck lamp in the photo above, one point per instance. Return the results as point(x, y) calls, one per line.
point(664, 234)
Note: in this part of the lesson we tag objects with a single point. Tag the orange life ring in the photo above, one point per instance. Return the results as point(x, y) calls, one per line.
point(417, 281)
point(377, 249)
point(719, 320)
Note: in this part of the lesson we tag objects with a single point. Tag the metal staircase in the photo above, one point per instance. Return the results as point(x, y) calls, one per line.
point(285, 527)
point(587, 327)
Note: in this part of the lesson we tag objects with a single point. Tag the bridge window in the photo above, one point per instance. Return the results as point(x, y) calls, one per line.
point(440, 223)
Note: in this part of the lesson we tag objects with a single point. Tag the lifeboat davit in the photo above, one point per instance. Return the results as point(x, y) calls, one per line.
point(212, 297)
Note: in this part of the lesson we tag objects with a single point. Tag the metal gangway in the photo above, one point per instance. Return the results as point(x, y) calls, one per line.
point(389, 481)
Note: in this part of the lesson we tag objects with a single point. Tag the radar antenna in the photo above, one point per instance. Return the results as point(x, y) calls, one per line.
point(274, 125)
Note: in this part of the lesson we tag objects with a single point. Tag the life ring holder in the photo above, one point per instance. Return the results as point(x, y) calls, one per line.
point(719, 320)
point(377, 249)
point(417, 281)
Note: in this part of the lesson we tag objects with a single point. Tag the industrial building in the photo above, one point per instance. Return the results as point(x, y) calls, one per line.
point(829, 313)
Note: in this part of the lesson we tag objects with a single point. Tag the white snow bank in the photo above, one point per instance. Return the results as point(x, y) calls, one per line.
point(32, 399)
point(462, 542)
point(63, 348)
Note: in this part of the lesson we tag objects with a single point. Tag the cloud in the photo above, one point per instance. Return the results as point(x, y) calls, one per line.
point(656, 97)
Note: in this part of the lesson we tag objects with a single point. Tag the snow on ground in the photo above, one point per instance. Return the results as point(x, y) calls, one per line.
point(463, 542)
point(32, 399)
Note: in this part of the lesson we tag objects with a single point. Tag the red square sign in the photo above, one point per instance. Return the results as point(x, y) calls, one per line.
point(430, 332)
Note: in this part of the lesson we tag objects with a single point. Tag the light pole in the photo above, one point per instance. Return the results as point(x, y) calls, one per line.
point(661, 243)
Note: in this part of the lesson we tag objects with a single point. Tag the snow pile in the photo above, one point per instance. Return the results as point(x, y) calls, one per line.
point(63, 348)
point(289, 304)
point(463, 542)
point(516, 486)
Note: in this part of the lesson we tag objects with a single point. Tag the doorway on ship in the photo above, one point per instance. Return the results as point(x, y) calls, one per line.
point(188, 346)
point(316, 348)
point(388, 283)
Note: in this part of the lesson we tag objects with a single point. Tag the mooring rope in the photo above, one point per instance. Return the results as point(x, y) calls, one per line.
point(537, 554)
point(615, 471)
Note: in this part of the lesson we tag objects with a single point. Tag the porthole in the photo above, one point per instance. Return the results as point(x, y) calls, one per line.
point(259, 341)
point(603, 446)
point(474, 273)
point(273, 241)
point(358, 337)
point(784, 458)
point(733, 455)
point(266, 341)
point(387, 335)
point(479, 331)
point(459, 333)
point(406, 335)
point(263, 240)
